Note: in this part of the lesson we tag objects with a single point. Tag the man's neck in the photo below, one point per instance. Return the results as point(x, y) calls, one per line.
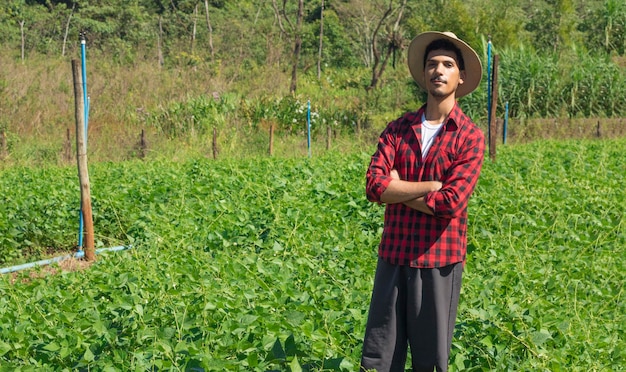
point(437, 109)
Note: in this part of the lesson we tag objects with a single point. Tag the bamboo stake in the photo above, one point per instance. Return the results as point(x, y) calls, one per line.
point(83, 172)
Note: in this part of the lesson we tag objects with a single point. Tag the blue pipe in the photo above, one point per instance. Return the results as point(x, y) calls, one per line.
point(506, 122)
point(83, 52)
point(308, 125)
point(489, 90)
point(80, 229)
point(79, 254)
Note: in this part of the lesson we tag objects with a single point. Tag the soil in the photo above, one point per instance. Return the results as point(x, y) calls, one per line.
point(67, 265)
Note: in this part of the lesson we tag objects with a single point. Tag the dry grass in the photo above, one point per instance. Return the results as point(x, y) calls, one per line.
point(560, 128)
point(37, 102)
point(69, 264)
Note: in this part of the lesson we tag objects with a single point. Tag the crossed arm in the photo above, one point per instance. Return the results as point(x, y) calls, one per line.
point(410, 194)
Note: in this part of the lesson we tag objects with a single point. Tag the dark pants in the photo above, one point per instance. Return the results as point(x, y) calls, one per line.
point(415, 307)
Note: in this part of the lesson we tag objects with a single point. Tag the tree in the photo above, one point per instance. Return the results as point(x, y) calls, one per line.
point(210, 28)
point(393, 42)
point(295, 29)
point(319, 55)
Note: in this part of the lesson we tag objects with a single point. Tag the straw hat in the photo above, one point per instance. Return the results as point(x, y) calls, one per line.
point(473, 67)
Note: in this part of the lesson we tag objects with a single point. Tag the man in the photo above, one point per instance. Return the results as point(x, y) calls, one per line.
point(425, 168)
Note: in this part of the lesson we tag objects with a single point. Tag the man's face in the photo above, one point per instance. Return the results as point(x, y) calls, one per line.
point(442, 74)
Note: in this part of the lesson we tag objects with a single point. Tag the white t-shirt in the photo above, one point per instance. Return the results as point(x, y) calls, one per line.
point(429, 132)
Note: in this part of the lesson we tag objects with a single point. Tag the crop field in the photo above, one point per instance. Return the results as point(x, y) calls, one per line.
point(268, 263)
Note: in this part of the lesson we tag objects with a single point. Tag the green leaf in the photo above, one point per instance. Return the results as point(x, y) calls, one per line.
point(539, 338)
point(277, 350)
point(88, 356)
point(295, 366)
point(4, 348)
point(53, 346)
point(277, 247)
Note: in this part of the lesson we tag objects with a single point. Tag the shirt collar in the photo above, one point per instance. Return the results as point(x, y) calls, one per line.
point(452, 122)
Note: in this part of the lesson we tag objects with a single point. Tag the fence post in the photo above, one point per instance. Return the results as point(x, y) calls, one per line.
point(598, 129)
point(271, 148)
point(143, 145)
point(214, 143)
point(67, 146)
point(3, 145)
point(81, 156)
point(329, 133)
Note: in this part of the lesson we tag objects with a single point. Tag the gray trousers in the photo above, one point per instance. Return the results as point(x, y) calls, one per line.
point(415, 307)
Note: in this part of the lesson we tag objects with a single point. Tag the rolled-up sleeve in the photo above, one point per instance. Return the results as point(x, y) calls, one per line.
point(461, 178)
point(378, 173)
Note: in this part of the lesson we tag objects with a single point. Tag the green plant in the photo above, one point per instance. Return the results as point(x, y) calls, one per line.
point(267, 264)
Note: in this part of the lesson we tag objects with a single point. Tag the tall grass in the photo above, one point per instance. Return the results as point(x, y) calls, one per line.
point(574, 84)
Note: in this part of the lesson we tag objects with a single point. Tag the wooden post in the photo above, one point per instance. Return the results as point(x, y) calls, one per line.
point(3, 145)
point(598, 130)
point(81, 157)
point(143, 145)
point(271, 149)
point(494, 102)
point(67, 146)
point(214, 144)
point(329, 133)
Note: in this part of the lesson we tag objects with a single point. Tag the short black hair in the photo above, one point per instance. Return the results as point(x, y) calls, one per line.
point(444, 44)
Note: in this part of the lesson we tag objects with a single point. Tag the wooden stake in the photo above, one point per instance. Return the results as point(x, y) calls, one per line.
point(494, 102)
point(329, 133)
point(271, 149)
point(81, 157)
point(143, 145)
point(214, 143)
point(67, 146)
point(3, 145)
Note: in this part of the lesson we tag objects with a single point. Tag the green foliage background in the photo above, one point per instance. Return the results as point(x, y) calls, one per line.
point(558, 58)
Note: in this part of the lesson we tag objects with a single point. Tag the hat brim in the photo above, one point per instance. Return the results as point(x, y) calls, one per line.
point(473, 66)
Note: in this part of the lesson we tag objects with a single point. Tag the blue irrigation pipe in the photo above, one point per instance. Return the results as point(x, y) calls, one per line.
point(83, 55)
point(79, 254)
point(489, 90)
point(308, 126)
point(506, 122)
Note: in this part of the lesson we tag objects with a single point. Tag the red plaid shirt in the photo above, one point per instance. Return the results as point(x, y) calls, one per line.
point(455, 159)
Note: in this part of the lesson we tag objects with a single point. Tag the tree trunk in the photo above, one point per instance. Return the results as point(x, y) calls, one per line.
point(67, 29)
point(159, 41)
point(23, 37)
point(193, 32)
point(297, 48)
point(208, 22)
point(375, 69)
point(394, 42)
point(319, 54)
